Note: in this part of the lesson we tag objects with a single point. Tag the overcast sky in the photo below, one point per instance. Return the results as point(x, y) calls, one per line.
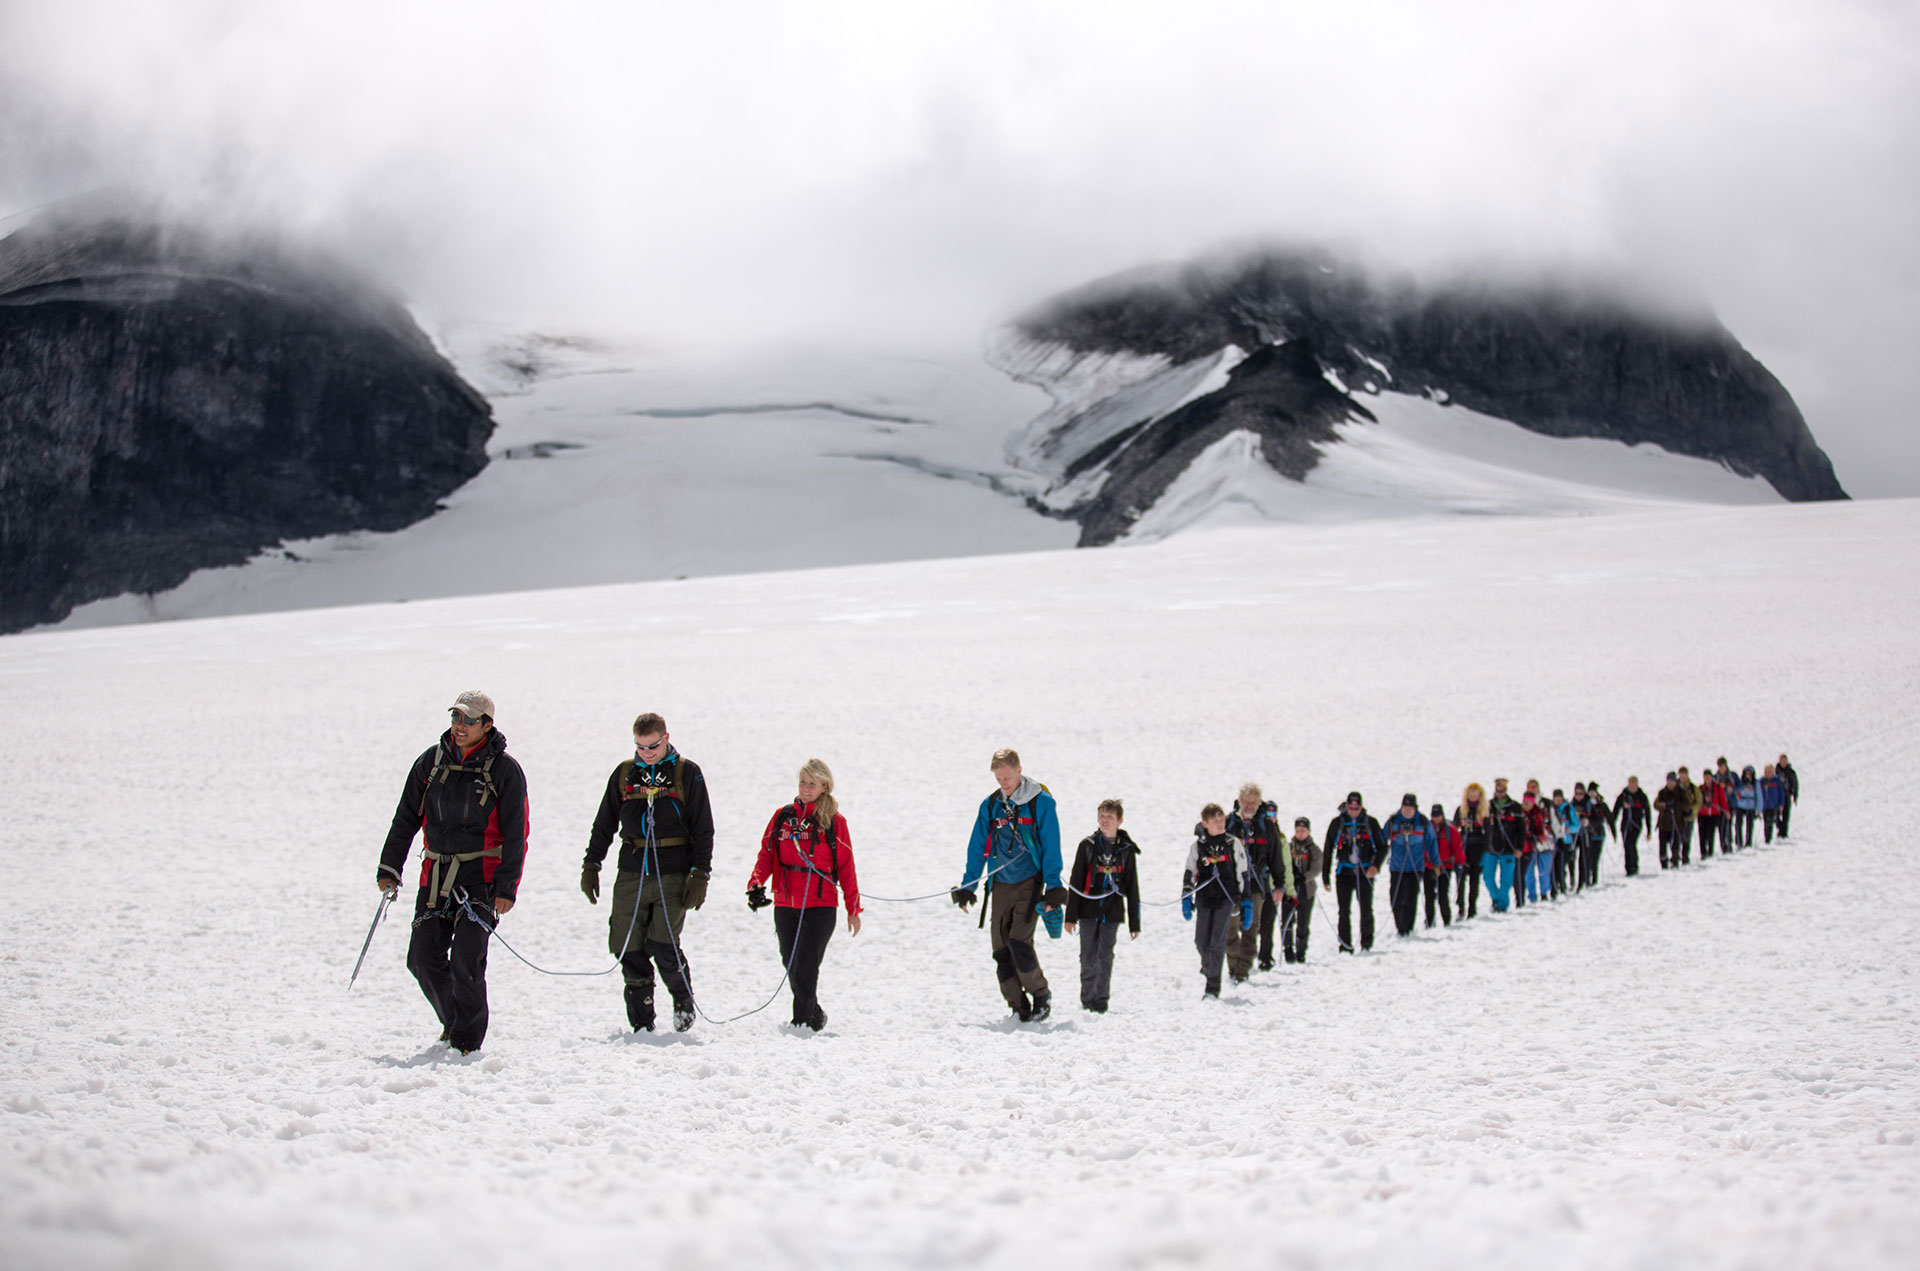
point(914, 171)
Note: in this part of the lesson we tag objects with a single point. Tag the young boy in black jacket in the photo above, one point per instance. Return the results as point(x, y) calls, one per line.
point(1216, 891)
point(1105, 873)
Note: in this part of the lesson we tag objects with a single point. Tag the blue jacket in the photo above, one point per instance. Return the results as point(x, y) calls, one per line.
point(1015, 837)
point(1773, 794)
point(1411, 846)
point(1746, 795)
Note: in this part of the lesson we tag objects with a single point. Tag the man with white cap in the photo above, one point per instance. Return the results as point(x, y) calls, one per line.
point(468, 798)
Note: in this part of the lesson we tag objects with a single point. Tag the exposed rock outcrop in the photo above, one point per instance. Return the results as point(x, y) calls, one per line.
point(171, 401)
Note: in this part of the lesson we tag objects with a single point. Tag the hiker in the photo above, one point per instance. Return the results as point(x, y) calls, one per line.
point(1410, 854)
point(1689, 809)
point(808, 855)
point(1723, 777)
point(1669, 805)
point(1773, 800)
point(658, 803)
point(1635, 814)
point(1216, 891)
point(1471, 818)
point(1596, 818)
point(1538, 837)
point(1562, 840)
point(1353, 847)
point(1449, 847)
point(1103, 888)
point(1506, 836)
point(1255, 824)
point(1785, 771)
point(467, 798)
point(1296, 910)
point(1014, 852)
point(1712, 817)
point(1746, 806)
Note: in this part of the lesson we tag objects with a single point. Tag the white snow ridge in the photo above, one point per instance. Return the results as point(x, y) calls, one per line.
point(1709, 1068)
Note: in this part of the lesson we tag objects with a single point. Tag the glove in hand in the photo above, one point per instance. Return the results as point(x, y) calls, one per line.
point(590, 883)
point(695, 893)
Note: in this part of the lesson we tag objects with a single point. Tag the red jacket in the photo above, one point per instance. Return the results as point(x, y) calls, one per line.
point(1713, 799)
point(1453, 849)
point(793, 842)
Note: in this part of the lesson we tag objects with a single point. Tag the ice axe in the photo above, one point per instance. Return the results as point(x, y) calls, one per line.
point(386, 898)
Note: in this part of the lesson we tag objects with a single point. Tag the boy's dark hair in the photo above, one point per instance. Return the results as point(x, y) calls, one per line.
point(1211, 811)
point(1113, 806)
point(648, 722)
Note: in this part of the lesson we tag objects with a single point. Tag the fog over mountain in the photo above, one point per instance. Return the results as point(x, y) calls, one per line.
point(918, 174)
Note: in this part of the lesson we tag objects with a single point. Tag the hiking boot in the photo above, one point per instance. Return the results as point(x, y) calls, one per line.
point(819, 1020)
point(1042, 1006)
point(1266, 964)
point(446, 1034)
point(1023, 1008)
point(640, 1008)
point(682, 1017)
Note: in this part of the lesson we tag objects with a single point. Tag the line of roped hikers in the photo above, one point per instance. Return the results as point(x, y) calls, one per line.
point(1243, 878)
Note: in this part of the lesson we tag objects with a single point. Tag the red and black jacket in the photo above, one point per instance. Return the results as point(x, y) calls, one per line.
point(476, 802)
point(809, 868)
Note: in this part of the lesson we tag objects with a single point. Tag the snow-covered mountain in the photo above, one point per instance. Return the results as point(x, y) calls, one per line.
point(1174, 389)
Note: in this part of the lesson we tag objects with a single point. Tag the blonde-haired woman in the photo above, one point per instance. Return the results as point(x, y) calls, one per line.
point(809, 857)
point(1471, 817)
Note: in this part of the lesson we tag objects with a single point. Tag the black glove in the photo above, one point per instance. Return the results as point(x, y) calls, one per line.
point(590, 882)
point(963, 896)
point(694, 894)
point(1056, 897)
point(757, 898)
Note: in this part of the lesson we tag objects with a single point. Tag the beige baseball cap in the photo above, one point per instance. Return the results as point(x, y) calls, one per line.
point(474, 704)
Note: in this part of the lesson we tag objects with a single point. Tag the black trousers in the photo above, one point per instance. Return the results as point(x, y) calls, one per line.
point(1683, 842)
point(1743, 828)
point(1709, 834)
point(1403, 898)
point(1630, 847)
point(1434, 884)
point(1267, 915)
point(448, 956)
point(1349, 884)
point(1296, 921)
point(1467, 902)
point(803, 937)
point(1772, 817)
point(1786, 814)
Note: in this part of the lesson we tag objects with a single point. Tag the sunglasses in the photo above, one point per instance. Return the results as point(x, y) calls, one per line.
point(649, 745)
point(468, 720)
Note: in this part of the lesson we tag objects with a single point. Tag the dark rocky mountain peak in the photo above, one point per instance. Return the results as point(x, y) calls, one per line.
point(173, 399)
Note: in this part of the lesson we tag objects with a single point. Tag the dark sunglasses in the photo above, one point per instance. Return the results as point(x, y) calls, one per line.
point(468, 720)
point(649, 745)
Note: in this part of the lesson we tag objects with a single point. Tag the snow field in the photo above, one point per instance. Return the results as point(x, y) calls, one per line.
point(1714, 1067)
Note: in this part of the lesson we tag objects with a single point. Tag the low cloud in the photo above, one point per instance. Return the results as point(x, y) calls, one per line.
point(917, 172)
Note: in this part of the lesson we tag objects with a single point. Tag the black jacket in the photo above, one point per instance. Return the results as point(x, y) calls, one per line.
point(1100, 867)
point(683, 816)
point(1506, 826)
point(1216, 872)
point(1262, 837)
point(458, 813)
point(1360, 841)
point(1632, 810)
